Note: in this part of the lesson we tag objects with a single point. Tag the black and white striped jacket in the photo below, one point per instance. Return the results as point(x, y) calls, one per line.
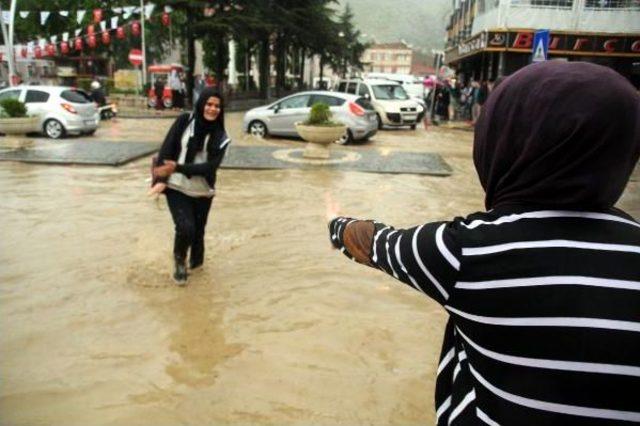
point(544, 309)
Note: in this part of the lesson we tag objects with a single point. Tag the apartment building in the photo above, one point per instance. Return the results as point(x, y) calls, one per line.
point(392, 58)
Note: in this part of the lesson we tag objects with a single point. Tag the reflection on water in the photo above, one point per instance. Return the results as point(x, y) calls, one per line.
point(276, 329)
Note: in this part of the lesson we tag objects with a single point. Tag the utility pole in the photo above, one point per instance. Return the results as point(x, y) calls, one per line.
point(8, 41)
point(144, 50)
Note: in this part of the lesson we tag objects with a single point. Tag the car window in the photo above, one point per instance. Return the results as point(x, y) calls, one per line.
point(75, 96)
point(363, 90)
point(342, 87)
point(329, 100)
point(36, 96)
point(351, 87)
point(389, 92)
point(10, 94)
point(365, 103)
point(301, 101)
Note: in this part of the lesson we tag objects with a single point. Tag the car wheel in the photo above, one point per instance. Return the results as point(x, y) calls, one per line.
point(54, 129)
point(346, 138)
point(413, 127)
point(90, 132)
point(379, 121)
point(258, 129)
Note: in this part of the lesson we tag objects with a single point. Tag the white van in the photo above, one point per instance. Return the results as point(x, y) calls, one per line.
point(394, 107)
point(413, 85)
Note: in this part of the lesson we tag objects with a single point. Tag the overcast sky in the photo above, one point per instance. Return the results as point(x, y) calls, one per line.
point(419, 22)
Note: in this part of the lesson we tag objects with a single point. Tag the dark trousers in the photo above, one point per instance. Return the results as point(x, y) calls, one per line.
point(190, 218)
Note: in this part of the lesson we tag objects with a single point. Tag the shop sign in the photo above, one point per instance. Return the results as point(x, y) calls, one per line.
point(478, 42)
point(579, 43)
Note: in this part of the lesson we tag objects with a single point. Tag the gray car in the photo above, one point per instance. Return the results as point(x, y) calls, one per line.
point(62, 110)
point(279, 118)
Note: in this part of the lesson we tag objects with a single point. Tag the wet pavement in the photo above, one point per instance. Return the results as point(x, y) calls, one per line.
point(277, 328)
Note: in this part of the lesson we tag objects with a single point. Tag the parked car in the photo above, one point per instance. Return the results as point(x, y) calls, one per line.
point(279, 118)
point(391, 102)
point(62, 110)
point(414, 86)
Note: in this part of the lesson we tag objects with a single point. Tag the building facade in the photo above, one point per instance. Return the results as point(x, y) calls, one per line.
point(394, 58)
point(491, 38)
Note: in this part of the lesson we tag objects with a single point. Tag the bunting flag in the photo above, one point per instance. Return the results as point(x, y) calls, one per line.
point(43, 17)
point(97, 15)
point(62, 44)
point(135, 28)
point(148, 10)
point(128, 10)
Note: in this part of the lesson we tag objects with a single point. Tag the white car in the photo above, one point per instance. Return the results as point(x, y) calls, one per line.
point(62, 110)
point(280, 117)
point(393, 105)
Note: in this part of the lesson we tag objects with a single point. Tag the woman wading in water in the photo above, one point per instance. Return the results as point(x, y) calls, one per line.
point(187, 164)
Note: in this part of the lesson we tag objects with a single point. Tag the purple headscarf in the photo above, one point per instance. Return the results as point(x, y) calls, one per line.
point(558, 134)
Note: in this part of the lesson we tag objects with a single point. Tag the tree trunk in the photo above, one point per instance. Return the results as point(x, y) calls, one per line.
point(191, 57)
point(264, 66)
point(302, 56)
point(321, 68)
point(280, 64)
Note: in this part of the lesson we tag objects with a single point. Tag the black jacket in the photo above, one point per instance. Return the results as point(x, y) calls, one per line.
point(171, 147)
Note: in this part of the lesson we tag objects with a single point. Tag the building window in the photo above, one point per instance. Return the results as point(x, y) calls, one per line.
point(564, 4)
point(612, 4)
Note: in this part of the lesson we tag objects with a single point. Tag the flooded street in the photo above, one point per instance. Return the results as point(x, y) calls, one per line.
point(277, 328)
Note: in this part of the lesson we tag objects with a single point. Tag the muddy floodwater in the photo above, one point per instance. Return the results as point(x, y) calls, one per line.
point(277, 328)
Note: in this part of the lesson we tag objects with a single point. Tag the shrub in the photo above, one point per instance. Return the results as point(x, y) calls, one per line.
point(13, 108)
point(320, 115)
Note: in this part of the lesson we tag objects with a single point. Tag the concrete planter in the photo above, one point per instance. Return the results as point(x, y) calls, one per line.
point(319, 138)
point(19, 126)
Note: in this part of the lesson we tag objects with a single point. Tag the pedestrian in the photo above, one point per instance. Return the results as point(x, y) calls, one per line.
point(442, 101)
point(543, 289)
point(176, 86)
point(97, 94)
point(188, 161)
point(198, 87)
point(480, 96)
point(158, 88)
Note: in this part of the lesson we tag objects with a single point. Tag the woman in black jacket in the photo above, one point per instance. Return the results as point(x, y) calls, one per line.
point(187, 164)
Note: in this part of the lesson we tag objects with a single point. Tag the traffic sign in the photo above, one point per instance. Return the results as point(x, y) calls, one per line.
point(135, 57)
point(540, 46)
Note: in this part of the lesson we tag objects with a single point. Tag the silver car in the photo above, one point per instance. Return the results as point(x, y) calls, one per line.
point(279, 118)
point(62, 110)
